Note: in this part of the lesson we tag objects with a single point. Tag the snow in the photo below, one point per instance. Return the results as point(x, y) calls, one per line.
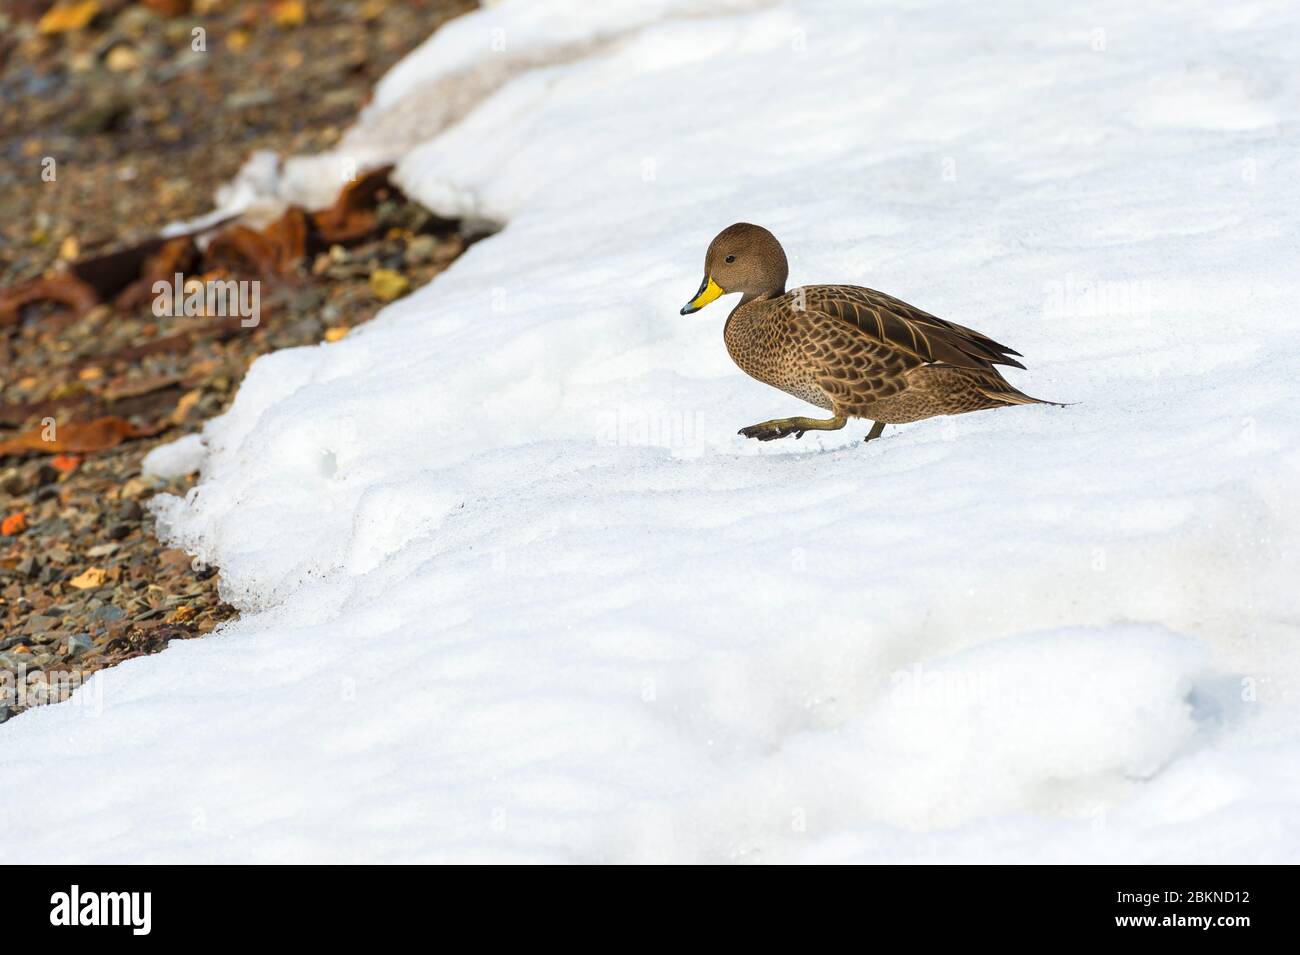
point(176, 458)
point(514, 590)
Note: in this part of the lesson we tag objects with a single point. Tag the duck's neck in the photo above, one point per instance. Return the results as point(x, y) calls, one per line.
point(761, 296)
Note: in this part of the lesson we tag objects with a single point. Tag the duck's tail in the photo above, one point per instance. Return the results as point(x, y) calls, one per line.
point(1004, 393)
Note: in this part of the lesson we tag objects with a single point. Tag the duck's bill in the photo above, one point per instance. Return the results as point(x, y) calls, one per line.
point(709, 290)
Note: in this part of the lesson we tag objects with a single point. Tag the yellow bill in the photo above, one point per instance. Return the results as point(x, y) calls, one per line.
point(709, 290)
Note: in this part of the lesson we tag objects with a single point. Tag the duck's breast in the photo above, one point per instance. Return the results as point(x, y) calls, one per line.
point(763, 339)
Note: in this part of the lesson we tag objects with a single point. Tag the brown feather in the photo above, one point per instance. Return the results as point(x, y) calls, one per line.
point(1006, 394)
point(890, 320)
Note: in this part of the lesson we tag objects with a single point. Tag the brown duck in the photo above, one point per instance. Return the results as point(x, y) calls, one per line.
point(853, 351)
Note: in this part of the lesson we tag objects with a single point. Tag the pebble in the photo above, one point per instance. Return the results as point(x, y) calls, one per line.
point(122, 59)
point(175, 559)
point(13, 481)
point(421, 248)
point(135, 487)
point(102, 116)
point(79, 643)
point(39, 623)
point(388, 284)
point(249, 98)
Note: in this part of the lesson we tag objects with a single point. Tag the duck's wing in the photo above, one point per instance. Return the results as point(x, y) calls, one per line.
point(916, 334)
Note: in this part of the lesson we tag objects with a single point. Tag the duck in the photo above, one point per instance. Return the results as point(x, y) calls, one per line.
point(852, 351)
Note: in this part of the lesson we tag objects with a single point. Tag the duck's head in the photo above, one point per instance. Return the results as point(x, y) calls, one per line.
point(742, 258)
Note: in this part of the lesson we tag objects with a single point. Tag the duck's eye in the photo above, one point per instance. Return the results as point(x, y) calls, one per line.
point(729, 259)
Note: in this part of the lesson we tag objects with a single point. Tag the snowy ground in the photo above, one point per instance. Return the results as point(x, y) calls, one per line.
point(513, 588)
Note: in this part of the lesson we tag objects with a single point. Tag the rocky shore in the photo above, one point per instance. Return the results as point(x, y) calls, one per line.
point(141, 129)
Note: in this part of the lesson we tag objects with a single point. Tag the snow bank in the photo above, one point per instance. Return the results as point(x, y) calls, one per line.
point(515, 590)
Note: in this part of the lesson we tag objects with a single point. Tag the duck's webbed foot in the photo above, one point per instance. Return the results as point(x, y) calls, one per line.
point(876, 428)
point(784, 427)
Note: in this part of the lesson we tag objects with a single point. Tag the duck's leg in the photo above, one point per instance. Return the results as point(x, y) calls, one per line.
point(876, 428)
point(784, 427)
